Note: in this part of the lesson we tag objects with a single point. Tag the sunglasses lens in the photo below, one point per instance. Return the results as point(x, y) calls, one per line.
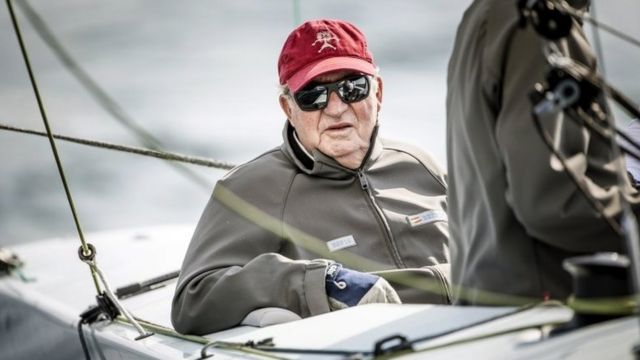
point(314, 98)
point(354, 89)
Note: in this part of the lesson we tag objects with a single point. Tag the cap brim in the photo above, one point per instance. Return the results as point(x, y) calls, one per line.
point(307, 73)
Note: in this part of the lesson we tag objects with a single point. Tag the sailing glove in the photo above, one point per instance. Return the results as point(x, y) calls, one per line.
point(346, 288)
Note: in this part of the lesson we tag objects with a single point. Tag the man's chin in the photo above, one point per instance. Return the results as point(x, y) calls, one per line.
point(340, 149)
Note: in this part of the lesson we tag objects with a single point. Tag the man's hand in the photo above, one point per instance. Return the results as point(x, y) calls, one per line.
point(346, 288)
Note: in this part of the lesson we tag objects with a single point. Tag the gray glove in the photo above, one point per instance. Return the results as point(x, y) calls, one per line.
point(346, 288)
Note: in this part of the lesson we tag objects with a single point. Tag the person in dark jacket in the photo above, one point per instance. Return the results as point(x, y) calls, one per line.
point(513, 218)
point(318, 223)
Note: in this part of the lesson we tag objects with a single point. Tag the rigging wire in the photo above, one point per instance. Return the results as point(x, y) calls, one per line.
point(70, 139)
point(99, 94)
point(596, 23)
point(42, 110)
point(86, 251)
point(43, 114)
point(628, 224)
point(597, 41)
point(189, 159)
point(296, 13)
point(315, 245)
point(576, 179)
point(123, 311)
point(268, 347)
point(83, 342)
point(628, 220)
point(405, 347)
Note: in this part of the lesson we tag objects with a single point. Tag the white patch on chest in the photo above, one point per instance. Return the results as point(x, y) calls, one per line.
point(341, 243)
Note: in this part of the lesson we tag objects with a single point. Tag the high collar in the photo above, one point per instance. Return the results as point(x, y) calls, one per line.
point(323, 165)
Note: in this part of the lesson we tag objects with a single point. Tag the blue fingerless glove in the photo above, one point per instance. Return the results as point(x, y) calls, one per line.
point(346, 288)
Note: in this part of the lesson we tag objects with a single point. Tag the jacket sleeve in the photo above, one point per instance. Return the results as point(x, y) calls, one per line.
point(232, 265)
point(426, 285)
point(547, 202)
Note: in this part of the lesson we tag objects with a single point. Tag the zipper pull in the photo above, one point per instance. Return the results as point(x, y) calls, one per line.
point(364, 184)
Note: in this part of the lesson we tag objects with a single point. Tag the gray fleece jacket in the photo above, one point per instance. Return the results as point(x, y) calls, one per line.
point(274, 223)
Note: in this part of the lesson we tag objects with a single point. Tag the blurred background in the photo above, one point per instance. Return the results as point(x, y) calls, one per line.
point(201, 77)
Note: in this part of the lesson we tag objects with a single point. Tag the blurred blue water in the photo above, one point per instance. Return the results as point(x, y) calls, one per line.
point(201, 76)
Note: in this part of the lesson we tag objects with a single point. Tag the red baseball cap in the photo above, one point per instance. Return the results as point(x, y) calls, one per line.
point(321, 46)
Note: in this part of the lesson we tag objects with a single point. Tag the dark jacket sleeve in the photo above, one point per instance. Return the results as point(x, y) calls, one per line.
point(547, 202)
point(232, 265)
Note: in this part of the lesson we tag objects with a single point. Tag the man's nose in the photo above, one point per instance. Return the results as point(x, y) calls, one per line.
point(335, 105)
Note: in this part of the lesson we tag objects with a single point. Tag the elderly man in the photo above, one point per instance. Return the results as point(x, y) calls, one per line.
point(297, 227)
point(514, 219)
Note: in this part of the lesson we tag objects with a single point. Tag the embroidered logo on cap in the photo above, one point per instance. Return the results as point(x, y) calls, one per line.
point(341, 243)
point(427, 217)
point(324, 37)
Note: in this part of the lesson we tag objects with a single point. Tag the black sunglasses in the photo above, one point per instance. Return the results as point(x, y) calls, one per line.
point(316, 96)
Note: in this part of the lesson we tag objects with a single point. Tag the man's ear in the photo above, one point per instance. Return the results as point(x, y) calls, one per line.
point(286, 106)
point(379, 89)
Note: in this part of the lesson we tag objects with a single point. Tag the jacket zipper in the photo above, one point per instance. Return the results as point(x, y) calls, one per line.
point(364, 184)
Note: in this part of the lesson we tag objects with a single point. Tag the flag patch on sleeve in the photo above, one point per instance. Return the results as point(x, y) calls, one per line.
point(427, 217)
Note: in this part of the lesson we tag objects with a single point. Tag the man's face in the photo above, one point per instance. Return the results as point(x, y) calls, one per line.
point(340, 130)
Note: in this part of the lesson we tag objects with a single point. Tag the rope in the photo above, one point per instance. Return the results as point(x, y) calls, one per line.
point(195, 160)
point(597, 42)
point(628, 220)
point(85, 248)
point(472, 339)
point(296, 13)
point(607, 306)
point(623, 305)
point(163, 330)
point(267, 345)
point(232, 201)
point(315, 245)
point(590, 19)
point(611, 30)
point(237, 347)
point(85, 349)
point(354, 261)
point(100, 95)
point(116, 302)
point(264, 350)
point(578, 70)
point(627, 227)
point(576, 179)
